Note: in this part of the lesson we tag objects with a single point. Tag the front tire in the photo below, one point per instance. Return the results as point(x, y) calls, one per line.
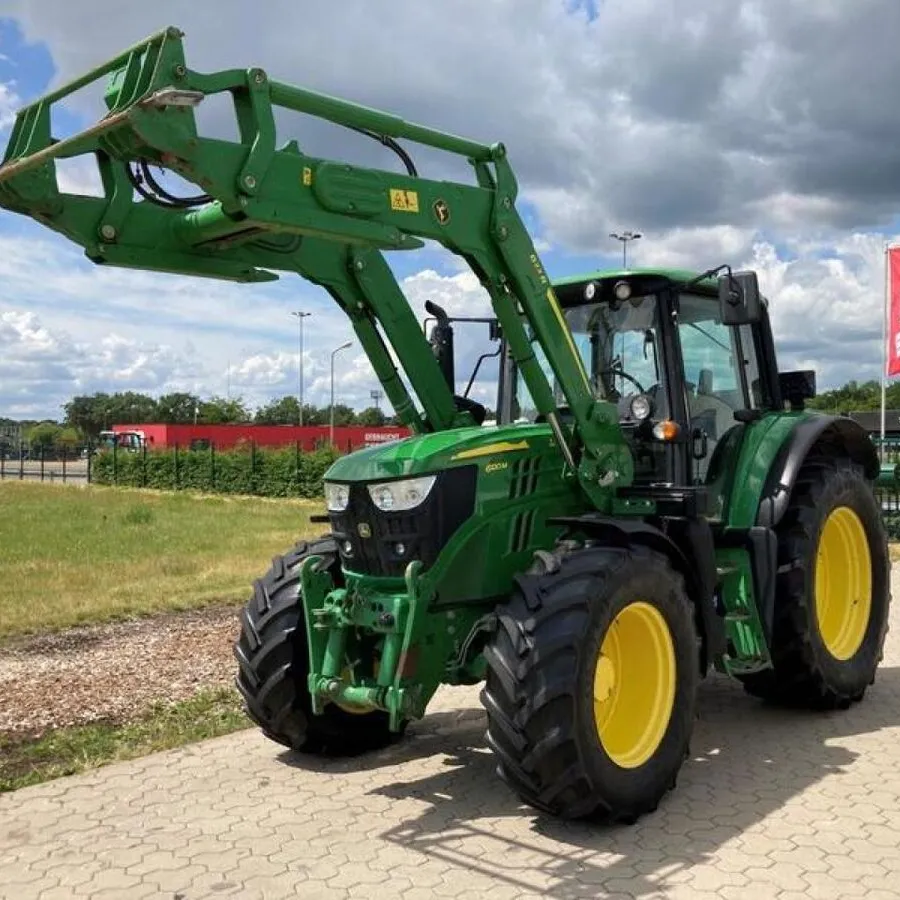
point(273, 664)
point(833, 591)
point(591, 684)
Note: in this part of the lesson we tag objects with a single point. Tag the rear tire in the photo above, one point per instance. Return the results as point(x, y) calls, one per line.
point(833, 591)
point(607, 630)
point(273, 664)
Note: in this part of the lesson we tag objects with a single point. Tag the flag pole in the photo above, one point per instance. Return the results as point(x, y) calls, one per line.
point(884, 339)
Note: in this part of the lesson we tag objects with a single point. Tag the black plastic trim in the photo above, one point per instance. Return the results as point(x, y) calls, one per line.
point(423, 531)
point(690, 501)
point(782, 477)
point(688, 544)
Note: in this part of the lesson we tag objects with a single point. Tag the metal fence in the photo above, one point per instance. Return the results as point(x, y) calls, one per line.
point(244, 468)
point(62, 463)
point(888, 485)
point(211, 468)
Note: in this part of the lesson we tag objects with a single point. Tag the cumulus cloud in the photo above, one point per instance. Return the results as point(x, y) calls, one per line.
point(752, 132)
point(657, 114)
point(118, 329)
point(9, 103)
point(826, 296)
point(37, 361)
point(826, 303)
point(827, 306)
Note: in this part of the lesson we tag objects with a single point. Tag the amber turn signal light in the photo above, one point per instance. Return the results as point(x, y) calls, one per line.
point(666, 430)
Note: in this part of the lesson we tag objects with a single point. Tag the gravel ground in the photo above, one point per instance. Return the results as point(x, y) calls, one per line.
point(113, 672)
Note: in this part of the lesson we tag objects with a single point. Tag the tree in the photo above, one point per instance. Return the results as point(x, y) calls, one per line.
point(285, 411)
point(68, 437)
point(223, 411)
point(851, 397)
point(130, 408)
point(371, 416)
point(99, 412)
point(343, 414)
point(42, 437)
point(177, 408)
point(89, 414)
point(312, 415)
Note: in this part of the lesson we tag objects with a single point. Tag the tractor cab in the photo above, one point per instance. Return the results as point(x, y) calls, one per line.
point(681, 376)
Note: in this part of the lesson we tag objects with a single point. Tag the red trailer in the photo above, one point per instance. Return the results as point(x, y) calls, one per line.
point(198, 437)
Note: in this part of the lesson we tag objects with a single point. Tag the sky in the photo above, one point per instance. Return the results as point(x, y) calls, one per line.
point(757, 133)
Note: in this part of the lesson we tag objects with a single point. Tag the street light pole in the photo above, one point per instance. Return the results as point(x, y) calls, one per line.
point(625, 237)
point(300, 317)
point(333, 354)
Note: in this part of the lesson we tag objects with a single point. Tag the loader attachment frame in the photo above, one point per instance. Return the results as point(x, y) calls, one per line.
point(266, 209)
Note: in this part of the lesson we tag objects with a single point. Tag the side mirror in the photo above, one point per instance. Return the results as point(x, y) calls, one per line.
point(797, 387)
point(739, 299)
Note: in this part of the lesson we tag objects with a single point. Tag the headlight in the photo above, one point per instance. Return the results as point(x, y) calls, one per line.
point(640, 407)
point(398, 496)
point(337, 496)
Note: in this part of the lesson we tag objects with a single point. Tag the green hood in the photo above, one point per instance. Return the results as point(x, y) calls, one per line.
point(425, 453)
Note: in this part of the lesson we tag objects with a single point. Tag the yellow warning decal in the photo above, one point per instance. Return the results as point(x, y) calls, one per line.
point(404, 201)
point(307, 176)
point(490, 450)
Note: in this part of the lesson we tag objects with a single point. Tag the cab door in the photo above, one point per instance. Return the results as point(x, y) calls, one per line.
point(721, 378)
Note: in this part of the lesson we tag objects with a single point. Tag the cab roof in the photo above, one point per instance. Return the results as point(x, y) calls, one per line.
point(643, 281)
point(667, 274)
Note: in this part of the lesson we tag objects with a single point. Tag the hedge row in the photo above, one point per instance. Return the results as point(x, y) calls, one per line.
point(265, 472)
point(892, 525)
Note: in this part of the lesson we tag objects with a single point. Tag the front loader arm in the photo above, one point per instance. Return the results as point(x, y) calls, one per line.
point(265, 209)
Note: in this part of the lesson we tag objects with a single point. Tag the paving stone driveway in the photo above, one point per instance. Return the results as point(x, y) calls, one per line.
point(771, 805)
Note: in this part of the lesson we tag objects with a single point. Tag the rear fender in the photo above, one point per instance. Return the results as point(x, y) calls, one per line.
point(832, 435)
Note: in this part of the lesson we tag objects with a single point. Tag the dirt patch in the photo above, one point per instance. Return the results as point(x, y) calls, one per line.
point(113, 672)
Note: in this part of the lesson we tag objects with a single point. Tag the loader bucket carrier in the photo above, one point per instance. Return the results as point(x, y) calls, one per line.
point(267, 208)
point(653, 502)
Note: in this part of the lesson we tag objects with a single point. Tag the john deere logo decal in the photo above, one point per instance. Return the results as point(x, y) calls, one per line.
point(441, 211)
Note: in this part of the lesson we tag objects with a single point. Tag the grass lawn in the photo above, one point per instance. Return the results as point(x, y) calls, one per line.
point(69, 750)
point(70, 555)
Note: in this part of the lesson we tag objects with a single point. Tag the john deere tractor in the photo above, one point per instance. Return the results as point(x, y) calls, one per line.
point(653, 502)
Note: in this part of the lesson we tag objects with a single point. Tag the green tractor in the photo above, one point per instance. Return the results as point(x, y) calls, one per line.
point(652, 503)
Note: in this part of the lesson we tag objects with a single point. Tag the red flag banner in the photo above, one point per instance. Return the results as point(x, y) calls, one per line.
point(893, 311)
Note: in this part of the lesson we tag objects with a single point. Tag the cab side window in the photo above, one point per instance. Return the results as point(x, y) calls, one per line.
point(714, 367)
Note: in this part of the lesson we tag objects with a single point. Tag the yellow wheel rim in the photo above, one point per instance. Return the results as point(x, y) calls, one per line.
point(843, 584)
point(634, 685)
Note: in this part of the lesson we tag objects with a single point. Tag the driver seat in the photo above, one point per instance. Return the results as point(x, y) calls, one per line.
point(709, 412)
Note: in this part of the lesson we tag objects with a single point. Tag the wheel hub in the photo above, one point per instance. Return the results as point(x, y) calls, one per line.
point(843, 583)
point(604, 679)
point(634, 685)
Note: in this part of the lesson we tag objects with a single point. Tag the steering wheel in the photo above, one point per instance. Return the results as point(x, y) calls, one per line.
point(625, 375)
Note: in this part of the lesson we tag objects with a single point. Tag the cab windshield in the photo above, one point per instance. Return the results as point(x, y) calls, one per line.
point(620, 345)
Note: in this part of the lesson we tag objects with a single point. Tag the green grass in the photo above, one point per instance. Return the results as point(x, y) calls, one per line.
point(72, 555)
point(67, 751)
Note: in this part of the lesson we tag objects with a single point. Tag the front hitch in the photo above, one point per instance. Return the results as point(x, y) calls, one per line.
point(334, 615)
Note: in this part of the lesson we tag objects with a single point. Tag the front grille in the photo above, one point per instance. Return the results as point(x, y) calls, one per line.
point(422, 532)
